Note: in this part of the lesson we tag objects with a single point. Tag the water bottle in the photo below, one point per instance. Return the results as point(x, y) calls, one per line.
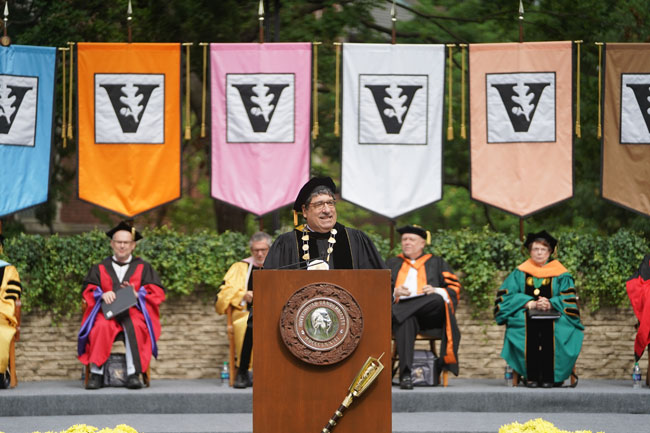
point(507, 375)
point(225, 374)
point(636, 376)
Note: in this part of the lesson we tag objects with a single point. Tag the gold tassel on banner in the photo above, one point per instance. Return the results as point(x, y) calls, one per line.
point(450, 120)
point(204, 93)
point(314, 99)
point(188, 126)
point(463, 130)
point(337, 90)
point(600, 86)
point(578, 130)
point(64, 96)
point(71, 45)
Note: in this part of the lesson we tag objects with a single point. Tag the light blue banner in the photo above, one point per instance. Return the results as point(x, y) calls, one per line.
point(27, 76)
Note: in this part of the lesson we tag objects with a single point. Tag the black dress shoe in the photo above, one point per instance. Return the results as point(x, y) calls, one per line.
point(547, 385)
point(94, 381)
point(5, 380)
point(405, 382)
point(531, 384)
point(133, 381)
point(241, 380)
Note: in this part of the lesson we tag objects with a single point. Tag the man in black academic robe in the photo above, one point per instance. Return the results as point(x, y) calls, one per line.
point(425, 296)
point(320, 243)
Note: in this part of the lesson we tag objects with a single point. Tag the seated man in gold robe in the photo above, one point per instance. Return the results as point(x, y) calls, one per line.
point(237, 291)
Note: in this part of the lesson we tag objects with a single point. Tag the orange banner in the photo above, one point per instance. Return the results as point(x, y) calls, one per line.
point(626, 126)
point(129, 125)
point(521, 114)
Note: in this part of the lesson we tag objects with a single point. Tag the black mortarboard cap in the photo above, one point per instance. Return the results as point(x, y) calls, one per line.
point(123, 225)
point(532, 237)
point(416, 230)
point(309, 187)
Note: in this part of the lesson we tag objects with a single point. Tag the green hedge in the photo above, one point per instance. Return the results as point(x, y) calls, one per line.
point(52, 268)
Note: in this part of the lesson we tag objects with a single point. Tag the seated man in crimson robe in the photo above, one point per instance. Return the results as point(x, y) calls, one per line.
point(638, 289)
point(140, 324)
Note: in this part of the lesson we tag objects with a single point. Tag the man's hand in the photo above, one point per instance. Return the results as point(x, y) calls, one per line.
point(401, 291)
point(127, 284)
point(108, 297)
point(543, 304)
point(429, 290)
point(248, 296)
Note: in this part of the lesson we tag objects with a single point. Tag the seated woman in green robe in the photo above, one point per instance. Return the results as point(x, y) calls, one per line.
point(538, 304)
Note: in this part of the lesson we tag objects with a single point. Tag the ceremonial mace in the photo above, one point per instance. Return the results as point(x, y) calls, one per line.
point(361, 382)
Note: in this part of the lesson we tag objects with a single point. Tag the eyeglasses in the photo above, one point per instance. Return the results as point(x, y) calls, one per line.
point(321, 204)
point(539, 249)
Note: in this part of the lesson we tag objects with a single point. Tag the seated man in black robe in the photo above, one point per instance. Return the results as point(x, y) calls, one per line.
point(425, 296)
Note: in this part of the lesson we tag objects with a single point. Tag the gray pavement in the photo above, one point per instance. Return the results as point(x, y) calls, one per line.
point(197, 406)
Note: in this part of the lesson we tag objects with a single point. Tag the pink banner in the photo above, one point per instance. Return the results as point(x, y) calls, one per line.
point(260, 101)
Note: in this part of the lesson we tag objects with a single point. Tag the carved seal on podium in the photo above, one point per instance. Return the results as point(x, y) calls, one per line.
point(321, 324)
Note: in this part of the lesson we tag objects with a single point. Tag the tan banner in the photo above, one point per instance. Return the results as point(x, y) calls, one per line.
point(521, 113)
point(626, 126)
point(129, 125)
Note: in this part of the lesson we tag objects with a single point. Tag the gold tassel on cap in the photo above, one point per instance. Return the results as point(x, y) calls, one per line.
point(450, 120)
point(64, 96)
point(428, 237)
point(188, 128)
point(578, 131)
point(600, 68)
point(295, 218)
point(337, 90)
point(204, 92)
point(314, 99)
point(463, 130)
point(70, 136)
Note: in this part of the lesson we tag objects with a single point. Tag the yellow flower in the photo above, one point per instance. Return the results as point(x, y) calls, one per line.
point(535, 426)
point(83, 428)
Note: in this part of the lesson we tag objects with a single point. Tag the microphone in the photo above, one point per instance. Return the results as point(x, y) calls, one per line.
point(302, 264)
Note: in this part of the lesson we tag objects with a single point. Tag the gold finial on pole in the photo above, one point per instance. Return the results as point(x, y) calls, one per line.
point(260, 17)
point(599, 131)
point(393, 18)
point(521, 21)
point(5, 40)
point(129, 19)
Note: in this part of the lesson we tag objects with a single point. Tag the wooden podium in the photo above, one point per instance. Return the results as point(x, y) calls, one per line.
point(292, 396)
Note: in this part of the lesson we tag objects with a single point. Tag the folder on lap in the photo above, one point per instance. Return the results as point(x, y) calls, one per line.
point(124, 299)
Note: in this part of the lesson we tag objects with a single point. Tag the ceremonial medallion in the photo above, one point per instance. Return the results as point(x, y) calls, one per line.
point(321, 324)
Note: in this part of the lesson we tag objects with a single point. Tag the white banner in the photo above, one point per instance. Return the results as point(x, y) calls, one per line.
point(393, 99)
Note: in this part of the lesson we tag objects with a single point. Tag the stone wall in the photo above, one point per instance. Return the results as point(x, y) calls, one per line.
point(193, 344)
